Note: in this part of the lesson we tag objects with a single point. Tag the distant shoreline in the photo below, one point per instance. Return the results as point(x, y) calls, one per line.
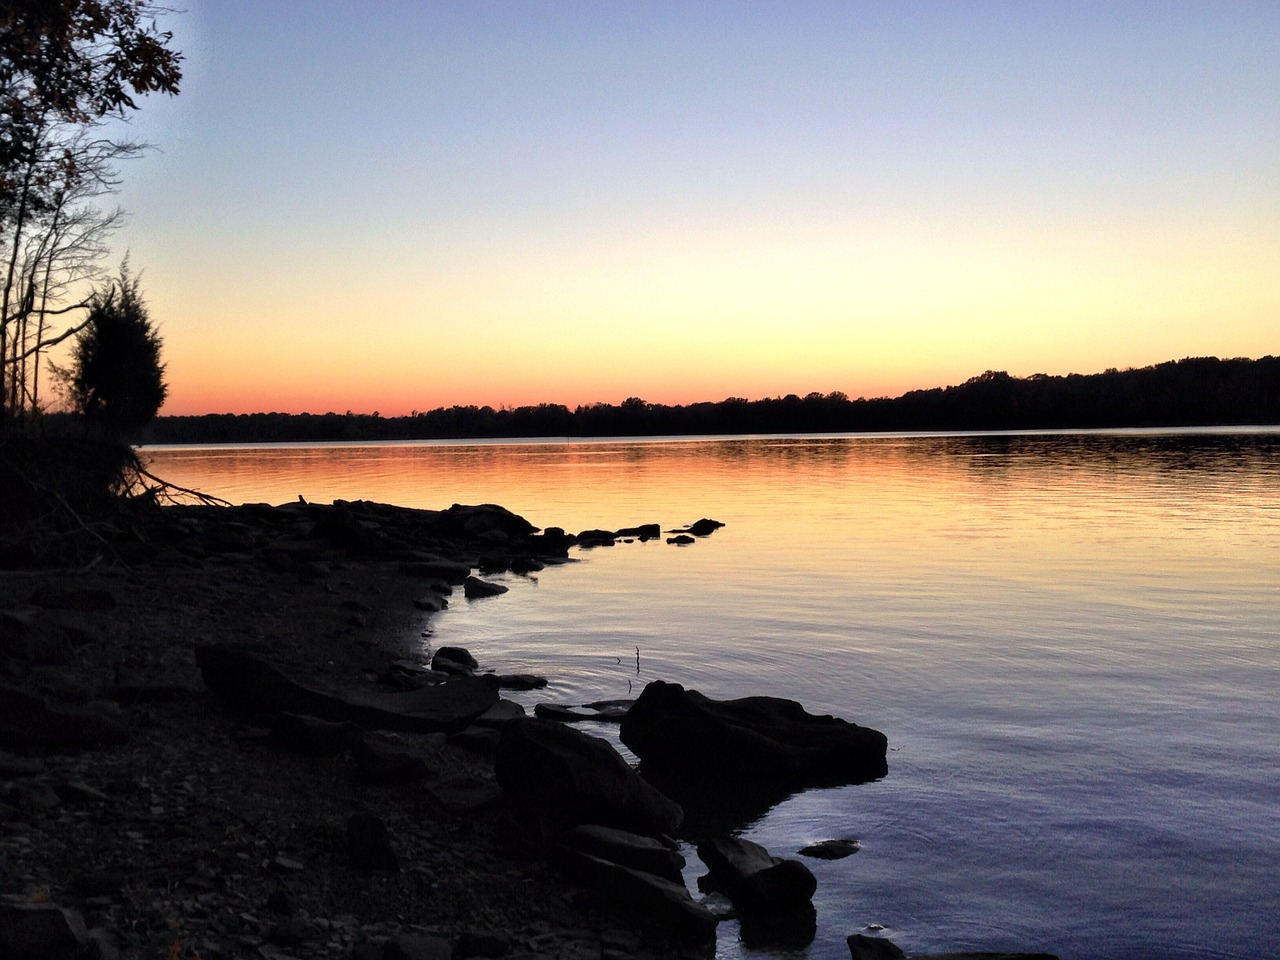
point(1195, 392)
point(1190, 431)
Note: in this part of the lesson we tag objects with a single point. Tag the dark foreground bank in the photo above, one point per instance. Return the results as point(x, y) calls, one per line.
point(221, 740)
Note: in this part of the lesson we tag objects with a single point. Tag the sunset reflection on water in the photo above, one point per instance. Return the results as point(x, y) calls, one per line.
point(1068, 638)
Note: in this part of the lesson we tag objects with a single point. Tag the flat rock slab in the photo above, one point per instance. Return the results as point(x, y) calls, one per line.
point(250, 684)
point(605, 711)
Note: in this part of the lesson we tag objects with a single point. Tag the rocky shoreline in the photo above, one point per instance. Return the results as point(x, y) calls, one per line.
point(221, 742)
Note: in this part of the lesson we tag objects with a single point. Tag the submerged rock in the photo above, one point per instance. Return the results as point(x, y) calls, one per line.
point(605, 711)
point(862, 947)
point(521, 681)
point(831, 849)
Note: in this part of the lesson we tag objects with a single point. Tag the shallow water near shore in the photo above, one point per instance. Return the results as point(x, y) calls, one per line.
point(1070, 640)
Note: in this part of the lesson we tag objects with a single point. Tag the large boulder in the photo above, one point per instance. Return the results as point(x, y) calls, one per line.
point(678, 731)
point(555, 778)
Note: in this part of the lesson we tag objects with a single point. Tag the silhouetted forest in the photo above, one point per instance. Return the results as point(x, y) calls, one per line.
point(1201, 391)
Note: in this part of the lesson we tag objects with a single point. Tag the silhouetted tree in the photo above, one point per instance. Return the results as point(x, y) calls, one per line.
point(116, 378)
point(65, 67)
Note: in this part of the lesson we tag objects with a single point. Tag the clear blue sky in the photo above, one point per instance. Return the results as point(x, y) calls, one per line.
point(400, 205)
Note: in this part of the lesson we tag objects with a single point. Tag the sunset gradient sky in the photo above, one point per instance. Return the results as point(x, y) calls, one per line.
point(406, 204)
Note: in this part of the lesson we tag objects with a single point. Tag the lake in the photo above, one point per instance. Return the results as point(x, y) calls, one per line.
point(1070, 639)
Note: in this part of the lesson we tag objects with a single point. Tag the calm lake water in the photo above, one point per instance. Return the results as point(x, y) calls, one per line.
point(1070, 639)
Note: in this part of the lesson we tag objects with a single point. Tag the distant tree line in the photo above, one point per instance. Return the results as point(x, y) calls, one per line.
point(1201, 391)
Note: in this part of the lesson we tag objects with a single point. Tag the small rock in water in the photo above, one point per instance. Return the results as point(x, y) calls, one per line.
point(704, 526)
point(473, 588)
point(454, 660)
point(521, 681)
point(831, 849)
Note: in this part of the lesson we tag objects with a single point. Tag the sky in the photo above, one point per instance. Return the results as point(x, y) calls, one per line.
point(404, 204)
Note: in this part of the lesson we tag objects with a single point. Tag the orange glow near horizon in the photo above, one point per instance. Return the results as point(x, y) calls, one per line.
point(719, 316)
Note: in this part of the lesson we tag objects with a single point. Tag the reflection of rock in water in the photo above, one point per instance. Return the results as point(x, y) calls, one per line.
point(791, 929)
point(716, 807)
